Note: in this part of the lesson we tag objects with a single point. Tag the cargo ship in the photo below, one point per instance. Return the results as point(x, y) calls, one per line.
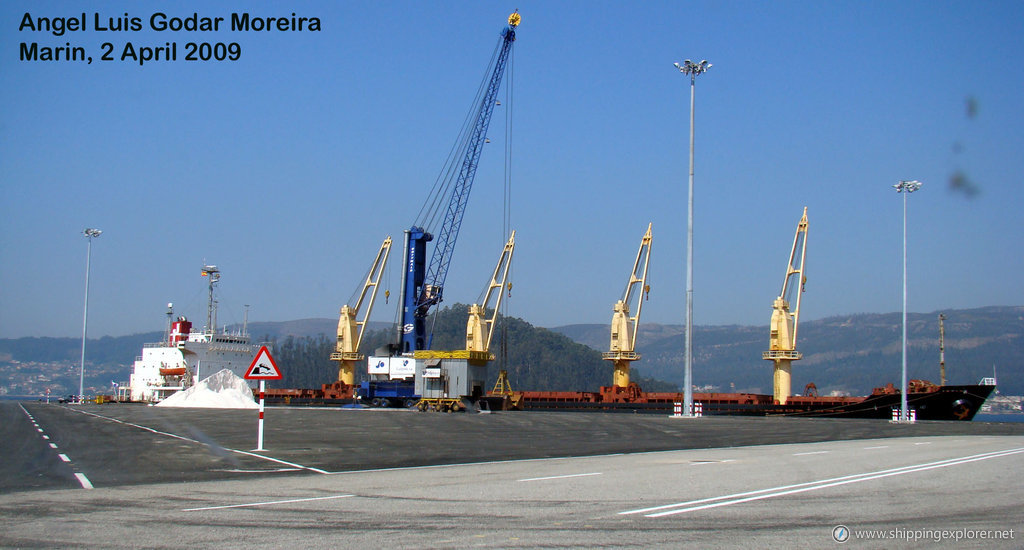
point(461, 384)
point(925, 400)
point(186, 355)
point(928, 401)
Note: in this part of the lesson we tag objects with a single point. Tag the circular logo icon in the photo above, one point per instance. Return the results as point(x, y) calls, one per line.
point(840, 533)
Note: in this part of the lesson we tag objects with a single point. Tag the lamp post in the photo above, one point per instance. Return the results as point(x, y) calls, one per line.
point(906, 188)
point(693, 69)
point(89, 234)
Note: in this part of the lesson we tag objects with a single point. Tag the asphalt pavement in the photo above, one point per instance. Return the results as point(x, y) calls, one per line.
point(137, 476)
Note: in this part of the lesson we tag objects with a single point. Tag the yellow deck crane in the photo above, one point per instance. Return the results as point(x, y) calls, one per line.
point(479, 330)
point(622, 352)
point(350, 330)
point(782, 340)
point(479, 327)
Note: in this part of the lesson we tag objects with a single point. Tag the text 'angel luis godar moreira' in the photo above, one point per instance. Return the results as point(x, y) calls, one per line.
point(160, 21)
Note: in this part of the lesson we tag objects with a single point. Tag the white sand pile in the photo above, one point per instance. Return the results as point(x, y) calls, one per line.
point(223, 390)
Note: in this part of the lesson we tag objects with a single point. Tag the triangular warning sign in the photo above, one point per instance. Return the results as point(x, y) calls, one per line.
point(263, 367)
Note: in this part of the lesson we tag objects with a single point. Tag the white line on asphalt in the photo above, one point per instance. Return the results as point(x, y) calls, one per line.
point(286, 463)
point(148, 429)
point(86, 484)
point(703, 462)
point(878, 447)
point(812, 453)
point(560, 477)
point(267, 503)
point(84, 481)
point(237, 471)
point(925, 443)
point(739, 498)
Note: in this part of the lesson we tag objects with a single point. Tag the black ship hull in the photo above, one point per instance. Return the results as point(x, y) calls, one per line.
point(934, 403)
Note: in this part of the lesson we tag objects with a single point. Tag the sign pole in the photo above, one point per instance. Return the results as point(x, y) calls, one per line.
point(259, 440)
point(263, 368)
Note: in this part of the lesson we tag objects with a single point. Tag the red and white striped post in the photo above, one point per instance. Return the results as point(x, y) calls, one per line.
point(259, 439)
point(263, 368)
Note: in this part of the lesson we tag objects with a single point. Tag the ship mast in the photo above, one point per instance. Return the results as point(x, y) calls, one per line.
point(213, 273)
point(170, 314)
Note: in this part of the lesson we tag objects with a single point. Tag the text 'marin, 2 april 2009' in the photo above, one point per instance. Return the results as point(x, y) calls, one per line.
point(160, 30)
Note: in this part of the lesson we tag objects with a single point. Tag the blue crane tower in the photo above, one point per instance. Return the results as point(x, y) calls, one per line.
point(422, 287)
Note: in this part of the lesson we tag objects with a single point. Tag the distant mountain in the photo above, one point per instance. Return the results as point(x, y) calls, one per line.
point(535, 358)
point(851, 354)
point(847, 354)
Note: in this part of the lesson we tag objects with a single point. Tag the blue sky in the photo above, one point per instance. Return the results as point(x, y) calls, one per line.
point(288, 167)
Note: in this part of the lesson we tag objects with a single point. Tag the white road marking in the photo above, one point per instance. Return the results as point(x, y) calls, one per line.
point(317, 470)
point(878, 447)
point(812, 453)
point(237, 471)
point(704, 462)
point(738, 498)
point(86, 484)
point(925, 443)
point(286, 463)
point(267, 503)
point(392, 469)
point(84, 481)
point(560, 477)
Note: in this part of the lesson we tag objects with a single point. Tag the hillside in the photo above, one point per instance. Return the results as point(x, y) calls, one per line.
point(847, 354)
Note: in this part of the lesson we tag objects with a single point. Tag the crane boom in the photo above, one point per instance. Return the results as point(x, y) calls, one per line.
point(423, 288)
point(478, 329)
point(622, 350)
point(350, 330)
point(785, 322)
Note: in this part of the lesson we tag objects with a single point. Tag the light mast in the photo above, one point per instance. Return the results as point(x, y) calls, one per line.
point(942, 348)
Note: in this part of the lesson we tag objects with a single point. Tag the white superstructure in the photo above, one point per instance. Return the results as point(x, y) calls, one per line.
point(187, 356)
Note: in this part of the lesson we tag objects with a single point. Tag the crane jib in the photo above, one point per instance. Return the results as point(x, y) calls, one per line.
point(425, 285)
point(448, 234)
